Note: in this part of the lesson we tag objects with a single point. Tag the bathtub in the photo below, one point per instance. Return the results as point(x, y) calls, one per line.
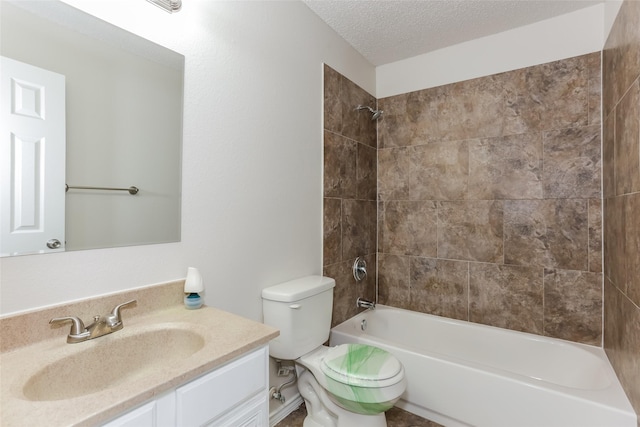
point(466, 374)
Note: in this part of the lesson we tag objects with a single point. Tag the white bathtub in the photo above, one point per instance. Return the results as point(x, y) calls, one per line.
point(466, 374)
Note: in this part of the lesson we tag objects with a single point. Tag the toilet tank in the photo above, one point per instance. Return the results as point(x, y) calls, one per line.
point(301, 309)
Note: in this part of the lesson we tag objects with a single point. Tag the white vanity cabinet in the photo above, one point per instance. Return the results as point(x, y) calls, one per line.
point(234, 394)
point(160, 412)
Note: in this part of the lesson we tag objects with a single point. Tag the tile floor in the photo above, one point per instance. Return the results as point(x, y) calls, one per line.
point(396, 417)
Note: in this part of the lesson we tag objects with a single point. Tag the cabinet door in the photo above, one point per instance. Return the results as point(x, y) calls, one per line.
point(214, 394)
point(166, 410)
point(157, 413)
point(254, 413)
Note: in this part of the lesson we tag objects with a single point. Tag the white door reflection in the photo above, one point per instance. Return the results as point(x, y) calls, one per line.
point(32, 159)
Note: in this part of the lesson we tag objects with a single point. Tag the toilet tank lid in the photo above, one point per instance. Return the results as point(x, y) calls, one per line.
point(298, 289)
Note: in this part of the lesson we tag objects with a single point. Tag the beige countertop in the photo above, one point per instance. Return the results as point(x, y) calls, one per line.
point(226, 336)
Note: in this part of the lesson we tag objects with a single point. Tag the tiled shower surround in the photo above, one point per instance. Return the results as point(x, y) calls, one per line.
point(489, 203)
point(350, 152)
point(621, 176)
point(488, 198)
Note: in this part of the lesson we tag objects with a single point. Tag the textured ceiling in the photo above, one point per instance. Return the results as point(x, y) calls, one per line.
point(385, 31)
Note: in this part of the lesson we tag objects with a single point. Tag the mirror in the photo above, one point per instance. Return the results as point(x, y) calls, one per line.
point(121, 121)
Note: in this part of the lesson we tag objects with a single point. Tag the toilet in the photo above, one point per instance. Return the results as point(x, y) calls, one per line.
point(343, 386)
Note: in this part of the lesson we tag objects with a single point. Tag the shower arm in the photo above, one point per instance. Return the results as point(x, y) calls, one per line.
point(375, 113)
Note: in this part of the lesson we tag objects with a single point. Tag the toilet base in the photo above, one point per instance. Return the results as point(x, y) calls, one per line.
point(323, 412)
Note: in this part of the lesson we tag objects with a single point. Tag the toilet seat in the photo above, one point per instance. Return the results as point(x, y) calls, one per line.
point(362, 366)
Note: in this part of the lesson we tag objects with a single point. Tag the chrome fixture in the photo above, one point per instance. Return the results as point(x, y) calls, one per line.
point(102, 325)
point(132, 190)
point(54, 244)
point(363, 303)
point(283, 371)
point(359, 269)
point(170, 6)
point(376, 114)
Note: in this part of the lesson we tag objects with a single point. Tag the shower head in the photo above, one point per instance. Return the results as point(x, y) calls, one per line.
point(376, 114)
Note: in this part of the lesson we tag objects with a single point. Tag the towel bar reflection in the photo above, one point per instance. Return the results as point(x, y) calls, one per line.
point(132, 190)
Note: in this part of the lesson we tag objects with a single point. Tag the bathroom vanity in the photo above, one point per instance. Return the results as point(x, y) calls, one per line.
point(167, 366)
point(232, 395)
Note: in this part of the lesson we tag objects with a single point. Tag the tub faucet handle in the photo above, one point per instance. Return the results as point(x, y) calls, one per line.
point(359, 269)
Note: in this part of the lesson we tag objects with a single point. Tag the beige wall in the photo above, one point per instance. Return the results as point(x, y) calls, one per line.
point(565, 36)
point(621, 188)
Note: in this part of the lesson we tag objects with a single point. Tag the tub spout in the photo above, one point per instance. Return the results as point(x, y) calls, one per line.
point(363, 303)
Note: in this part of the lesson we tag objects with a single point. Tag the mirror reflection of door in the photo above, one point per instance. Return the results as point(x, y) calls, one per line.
point(32, 159)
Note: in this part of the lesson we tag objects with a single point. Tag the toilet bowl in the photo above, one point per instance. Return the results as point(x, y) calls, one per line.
point(359, 378)
point(350, 385)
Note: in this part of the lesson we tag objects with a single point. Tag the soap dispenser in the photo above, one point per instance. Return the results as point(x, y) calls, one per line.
point(192, 288)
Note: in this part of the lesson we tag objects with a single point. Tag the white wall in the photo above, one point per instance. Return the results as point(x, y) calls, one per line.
point(611, 9)
point(565, 36)
point(252, 157)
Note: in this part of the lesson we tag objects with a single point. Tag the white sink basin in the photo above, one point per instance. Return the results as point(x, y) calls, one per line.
point(110, 360)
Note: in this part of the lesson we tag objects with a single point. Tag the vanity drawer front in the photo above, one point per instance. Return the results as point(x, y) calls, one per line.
point(140, 417)
point(210, 396)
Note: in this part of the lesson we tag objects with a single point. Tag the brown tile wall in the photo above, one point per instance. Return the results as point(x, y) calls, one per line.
point(350, 217)
point(621, 187)
point(489, 200)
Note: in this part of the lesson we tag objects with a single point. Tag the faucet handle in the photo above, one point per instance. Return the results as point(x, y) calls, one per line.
point(77, 327)
point(115, 313)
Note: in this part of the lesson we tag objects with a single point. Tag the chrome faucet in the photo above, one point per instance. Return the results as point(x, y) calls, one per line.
point(363, 303)
point(102, 325)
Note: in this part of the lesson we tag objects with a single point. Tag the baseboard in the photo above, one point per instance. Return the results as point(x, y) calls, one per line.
point(429, 415)
point(281, 413)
